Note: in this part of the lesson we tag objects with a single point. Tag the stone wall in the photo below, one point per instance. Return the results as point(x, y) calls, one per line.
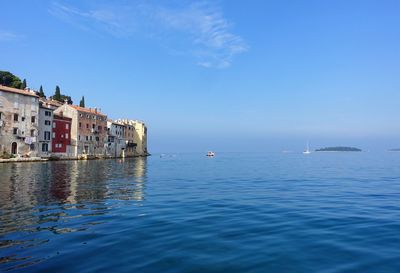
point(19, 124)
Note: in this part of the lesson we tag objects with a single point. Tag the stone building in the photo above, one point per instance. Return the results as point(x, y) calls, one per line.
point(135, 137)
point(130, 145)
point(140, 137)
point(116, 145)
point(88, 130)
point(19, 111)
point(45, 129)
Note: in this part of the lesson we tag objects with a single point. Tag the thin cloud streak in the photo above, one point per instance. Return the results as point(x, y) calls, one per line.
point(7, 36)
point(207, 34)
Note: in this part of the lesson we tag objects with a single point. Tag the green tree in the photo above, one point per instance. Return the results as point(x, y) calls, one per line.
point(23, 86)
point(67, 99)
point(41, 92)
point(60, 97)
point(10, 80)
point(57, 94)
point(82, 102)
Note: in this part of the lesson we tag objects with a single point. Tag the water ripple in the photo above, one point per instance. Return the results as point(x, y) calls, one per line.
point(233, 213)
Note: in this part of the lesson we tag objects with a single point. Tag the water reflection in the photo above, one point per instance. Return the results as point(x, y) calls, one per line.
point(60, 197)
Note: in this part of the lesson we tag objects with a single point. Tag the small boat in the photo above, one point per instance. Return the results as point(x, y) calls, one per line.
point(307, 151)
point(210, 154)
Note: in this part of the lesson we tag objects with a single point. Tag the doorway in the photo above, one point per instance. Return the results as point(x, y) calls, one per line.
point(14, 148)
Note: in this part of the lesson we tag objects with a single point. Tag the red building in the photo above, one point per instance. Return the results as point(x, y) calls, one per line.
point(61, 133)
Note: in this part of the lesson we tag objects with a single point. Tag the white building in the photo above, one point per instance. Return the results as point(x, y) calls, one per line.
point(45, 129)
point(116, 143)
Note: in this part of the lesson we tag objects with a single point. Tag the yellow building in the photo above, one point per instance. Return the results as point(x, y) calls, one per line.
point(135, 137)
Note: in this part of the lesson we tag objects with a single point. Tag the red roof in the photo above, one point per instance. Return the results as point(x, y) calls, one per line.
point(17, 91)
point(87, 110)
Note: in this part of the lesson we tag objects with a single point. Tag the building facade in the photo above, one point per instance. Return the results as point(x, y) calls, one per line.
point(61, 136)
point(45, 129)
point(140, 137)
point(19, 111)
point(88, 130)
point(135, 137)
point(116, 145)
point(130, 145)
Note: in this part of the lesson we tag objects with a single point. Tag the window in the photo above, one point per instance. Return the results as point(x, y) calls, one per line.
point(79, 137)
point(66, 136)
point(1, 115)
point(80, 125)
point(80, 115)
point(22, 118)
point(15, 131)
point(87, 138)
point(66, 126)
point(45, 147)
point(32, 133)
point(87, 125)
point(99, 128)
point(33, 119)
point(47, 135)
point(93, 126)
point(47, 113)
point(47, 122)
point(15, 117)
point(54, 124)
point(54, 135)
point(97, 138)
point(87, 116)
point(91, 138)
point(62, 135)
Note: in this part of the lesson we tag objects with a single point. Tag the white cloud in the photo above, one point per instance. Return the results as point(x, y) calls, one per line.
point(199, 30)
point(7, 36)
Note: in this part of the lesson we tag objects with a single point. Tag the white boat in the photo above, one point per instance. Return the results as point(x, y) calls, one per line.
point(210, 154)
point(307, 151)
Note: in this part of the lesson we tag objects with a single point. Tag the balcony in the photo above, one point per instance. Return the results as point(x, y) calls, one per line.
point(131, 144)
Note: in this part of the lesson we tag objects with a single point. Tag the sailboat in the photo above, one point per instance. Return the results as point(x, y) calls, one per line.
point(307, 151)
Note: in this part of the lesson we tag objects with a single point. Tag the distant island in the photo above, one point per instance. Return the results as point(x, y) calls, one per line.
point(338, 149)
point(394, 150)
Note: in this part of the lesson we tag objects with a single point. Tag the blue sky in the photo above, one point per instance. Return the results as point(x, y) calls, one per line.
point(222, 75)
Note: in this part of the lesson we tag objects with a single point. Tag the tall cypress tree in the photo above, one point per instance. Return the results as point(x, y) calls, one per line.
point(82, 102)
point(23, 86)
point(41, 92)
point(57, 94)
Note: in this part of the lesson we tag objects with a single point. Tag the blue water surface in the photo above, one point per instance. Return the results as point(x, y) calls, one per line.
point(236, 212)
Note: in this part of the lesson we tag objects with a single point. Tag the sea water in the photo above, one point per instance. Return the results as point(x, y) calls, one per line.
point(236, 212)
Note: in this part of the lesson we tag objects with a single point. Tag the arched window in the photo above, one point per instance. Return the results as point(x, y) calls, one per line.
point(14, 148)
